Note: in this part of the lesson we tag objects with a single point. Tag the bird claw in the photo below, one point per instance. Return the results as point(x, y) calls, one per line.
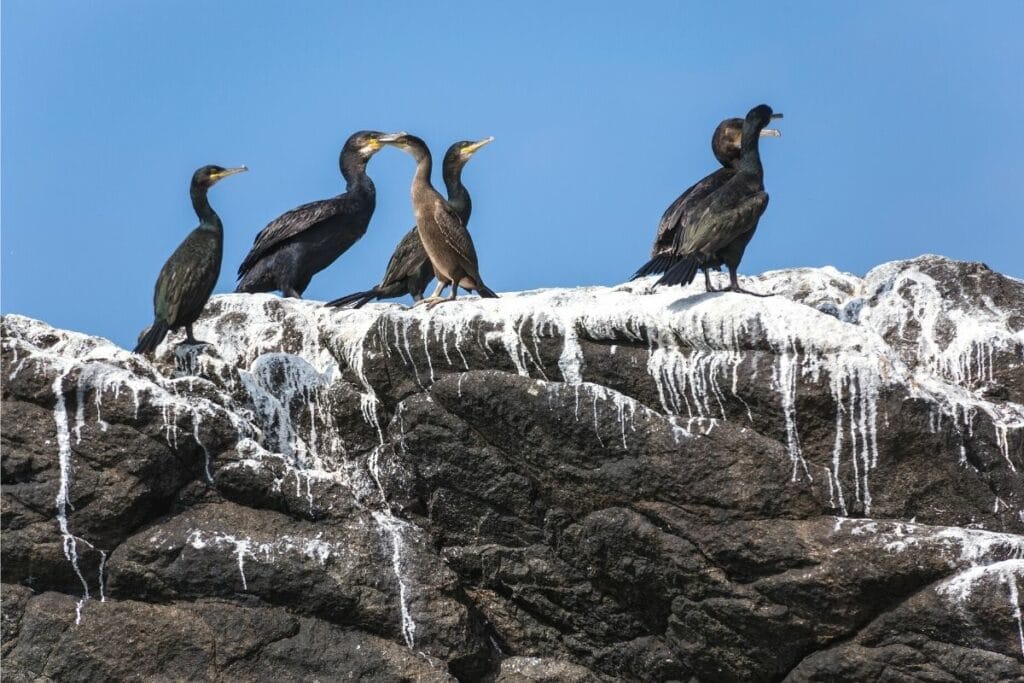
point(740, 290)
point(438, 301)
point(431, 301)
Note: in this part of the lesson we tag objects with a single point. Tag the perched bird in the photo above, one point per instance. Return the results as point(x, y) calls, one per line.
point(722, 224)
point(725, 145)
point(298, 244)
point(189, 276)
point(409, 270)
point(445, 238)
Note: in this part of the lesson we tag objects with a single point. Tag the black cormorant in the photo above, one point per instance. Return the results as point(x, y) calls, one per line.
point(720, 227)
point(409, 270)
point(725, 145)
point(298, 244)
point(190, 274)
point(445, 238)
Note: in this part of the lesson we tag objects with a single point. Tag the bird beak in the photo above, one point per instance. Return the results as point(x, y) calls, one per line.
point(770, 133)
point(230, 171)
point(777, 115)
point(391, 138)
point(471, 149)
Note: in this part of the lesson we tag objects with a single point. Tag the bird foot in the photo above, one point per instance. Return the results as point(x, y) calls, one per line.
point(432, 301)
point(429, 302)
point(740, 290)
point(438, 301)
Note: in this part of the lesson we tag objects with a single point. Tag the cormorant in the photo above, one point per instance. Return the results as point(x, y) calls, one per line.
point(720, 226)
point(725, 145)
point(298, 244)
point(190, 274)
point(409, 270)
point(445, 238)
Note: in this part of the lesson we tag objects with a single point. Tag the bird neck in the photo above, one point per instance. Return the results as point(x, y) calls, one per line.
point(424, 167)
point(208, 218)
point(353, 170)
point(750, 157)
point(458, 195)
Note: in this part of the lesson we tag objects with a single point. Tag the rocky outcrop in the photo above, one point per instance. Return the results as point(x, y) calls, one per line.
point(560, 485)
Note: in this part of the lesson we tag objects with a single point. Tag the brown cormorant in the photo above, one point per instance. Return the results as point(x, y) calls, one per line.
point(409, 270)
point(445, 238)
point(298, 244)
point(725, 145)
point(190, 274)
point(721, 225)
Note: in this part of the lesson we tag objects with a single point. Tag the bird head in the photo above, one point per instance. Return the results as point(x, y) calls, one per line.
point(408, 143)
point(461, 152)
point(207, 176)
point(761, 115)
point(366, 143)
point(728, 138)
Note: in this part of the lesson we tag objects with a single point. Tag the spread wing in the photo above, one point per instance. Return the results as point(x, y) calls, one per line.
point(187, 278)
point(685, 203)
point(720, 221)
point(406, 261)
point(290, 224)
point(456, 236)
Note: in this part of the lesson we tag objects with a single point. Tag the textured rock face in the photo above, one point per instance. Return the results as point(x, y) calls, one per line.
point(560, 485)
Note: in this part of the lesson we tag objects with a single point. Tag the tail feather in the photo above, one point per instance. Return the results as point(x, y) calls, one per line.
point(360, 298)
point(486, 292)
point(151, 337)
point(681, 273)
point(658, 264)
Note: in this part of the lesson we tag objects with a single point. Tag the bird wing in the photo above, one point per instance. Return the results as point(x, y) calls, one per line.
point(408, 258)
point(187, 278)
point(719, 221)
point(456, 236)
point(677, 210)
point(290, 224)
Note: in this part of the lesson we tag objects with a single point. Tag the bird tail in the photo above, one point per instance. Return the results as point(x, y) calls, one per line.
point(151, 337)
point(658, 264)
point(359, 298)
point(486, 292)
point(245, 286)
point(681, 273)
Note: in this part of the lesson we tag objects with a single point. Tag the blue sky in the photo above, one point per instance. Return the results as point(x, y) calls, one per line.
point(899, 138)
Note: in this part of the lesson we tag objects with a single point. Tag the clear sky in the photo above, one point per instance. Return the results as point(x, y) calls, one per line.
point(900, 134)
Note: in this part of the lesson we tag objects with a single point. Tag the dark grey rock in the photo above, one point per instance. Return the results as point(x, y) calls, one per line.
point(564, 485)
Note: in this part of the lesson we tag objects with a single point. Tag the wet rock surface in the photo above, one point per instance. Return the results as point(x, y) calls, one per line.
point(563, 485)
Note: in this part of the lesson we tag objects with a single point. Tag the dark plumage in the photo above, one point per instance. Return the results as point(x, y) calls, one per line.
point(190, 274)
point(445, 238)
point(298, 244)
point(725, 145)
point(409, 270)
point(719, 227)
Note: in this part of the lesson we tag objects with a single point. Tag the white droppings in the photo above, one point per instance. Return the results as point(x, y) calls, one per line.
point(244, 548)
point(69, 542)
point(392, 528)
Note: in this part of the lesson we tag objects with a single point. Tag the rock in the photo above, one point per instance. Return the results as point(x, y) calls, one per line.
point(574, 485)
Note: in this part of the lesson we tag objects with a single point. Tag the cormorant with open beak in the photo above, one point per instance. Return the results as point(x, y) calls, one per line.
point(721, 226)
point(725, 145)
